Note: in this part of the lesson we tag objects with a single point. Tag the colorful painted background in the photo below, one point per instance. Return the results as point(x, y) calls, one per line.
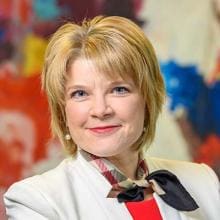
point(186, 39)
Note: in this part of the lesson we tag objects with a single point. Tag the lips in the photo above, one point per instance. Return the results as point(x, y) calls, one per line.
point(105, 129)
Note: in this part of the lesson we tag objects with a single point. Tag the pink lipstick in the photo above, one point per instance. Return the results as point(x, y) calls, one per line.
point(105, 129)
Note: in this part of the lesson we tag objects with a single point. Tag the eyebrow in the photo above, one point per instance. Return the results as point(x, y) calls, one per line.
point(110, 84)
point(77, 86)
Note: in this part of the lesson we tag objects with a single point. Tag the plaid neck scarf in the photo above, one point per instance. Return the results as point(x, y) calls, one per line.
point(163, 182)
point(114, 176)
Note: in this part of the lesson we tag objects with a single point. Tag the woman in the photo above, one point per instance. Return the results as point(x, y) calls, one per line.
point(105, 92)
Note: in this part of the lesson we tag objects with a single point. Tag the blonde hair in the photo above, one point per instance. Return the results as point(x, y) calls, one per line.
point(116, 46)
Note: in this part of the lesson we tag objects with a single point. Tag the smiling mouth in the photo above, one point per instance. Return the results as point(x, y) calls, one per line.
point(105, 130)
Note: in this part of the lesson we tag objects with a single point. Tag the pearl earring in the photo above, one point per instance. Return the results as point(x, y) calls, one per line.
point(67, 137)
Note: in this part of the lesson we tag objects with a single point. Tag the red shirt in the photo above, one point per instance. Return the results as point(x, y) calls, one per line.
point(144, 210)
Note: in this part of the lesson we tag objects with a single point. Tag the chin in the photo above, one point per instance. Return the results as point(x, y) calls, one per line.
point(102, 151)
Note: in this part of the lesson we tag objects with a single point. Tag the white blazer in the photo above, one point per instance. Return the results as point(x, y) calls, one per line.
point(76, 190)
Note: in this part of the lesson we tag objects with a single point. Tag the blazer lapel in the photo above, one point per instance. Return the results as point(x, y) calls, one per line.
point(111, 208)
point(194, 215)
point(166, 211)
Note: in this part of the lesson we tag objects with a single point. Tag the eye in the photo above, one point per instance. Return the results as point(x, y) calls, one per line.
point(120, 90)
point(78, 94)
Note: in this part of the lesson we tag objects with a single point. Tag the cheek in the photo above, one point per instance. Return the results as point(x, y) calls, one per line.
point(132, 110)
point(75, 114)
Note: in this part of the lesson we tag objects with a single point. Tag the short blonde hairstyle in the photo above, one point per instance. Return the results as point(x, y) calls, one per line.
point(116, 46)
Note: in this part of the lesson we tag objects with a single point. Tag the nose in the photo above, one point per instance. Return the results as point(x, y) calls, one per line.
point(101, 108)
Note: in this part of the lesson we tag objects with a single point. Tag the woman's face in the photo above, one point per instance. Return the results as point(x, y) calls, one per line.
point(105, 117)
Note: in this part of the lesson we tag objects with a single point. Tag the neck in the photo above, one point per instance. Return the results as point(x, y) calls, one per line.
point(126, 164)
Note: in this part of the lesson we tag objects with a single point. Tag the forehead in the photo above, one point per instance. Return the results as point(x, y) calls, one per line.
point(86, 70)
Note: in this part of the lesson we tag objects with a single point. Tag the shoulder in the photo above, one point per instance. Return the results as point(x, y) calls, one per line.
point(47, 180)
point(199, 179)
point(184, 169)
point(37, 195)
